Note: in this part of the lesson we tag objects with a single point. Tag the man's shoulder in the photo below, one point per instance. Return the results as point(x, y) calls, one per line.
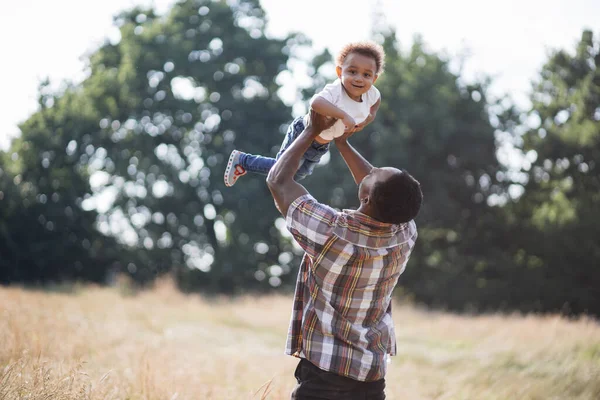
point(308, 205)
point(310, 222)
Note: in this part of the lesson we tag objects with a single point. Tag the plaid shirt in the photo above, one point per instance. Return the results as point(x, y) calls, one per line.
point(342, 315)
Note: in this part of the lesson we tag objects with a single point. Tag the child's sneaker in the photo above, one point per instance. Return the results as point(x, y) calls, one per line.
point(234, 170)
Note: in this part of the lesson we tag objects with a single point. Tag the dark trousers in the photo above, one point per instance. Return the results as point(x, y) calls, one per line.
point(316, 384)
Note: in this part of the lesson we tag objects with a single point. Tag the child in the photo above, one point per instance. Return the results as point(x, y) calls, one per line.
point(352, 100)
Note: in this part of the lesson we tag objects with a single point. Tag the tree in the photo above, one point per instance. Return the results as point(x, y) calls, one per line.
point(556, 218)
point(45, 234)
point(153, 125)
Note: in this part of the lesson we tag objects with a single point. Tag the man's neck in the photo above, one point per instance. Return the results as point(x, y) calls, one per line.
point(366, 210)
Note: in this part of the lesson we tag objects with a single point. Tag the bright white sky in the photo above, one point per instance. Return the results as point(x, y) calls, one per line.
point(507, 40)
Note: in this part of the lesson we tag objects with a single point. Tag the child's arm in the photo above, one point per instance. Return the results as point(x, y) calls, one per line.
point(325, 108)
point(371, 117)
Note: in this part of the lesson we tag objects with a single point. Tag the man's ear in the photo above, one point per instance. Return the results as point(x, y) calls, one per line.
point(338, 71)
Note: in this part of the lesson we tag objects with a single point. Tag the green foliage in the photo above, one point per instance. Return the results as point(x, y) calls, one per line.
point(156, 120)
point(45, 235)
point(556, 218)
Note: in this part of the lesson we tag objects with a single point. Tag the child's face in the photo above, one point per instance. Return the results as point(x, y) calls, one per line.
point(358, 74)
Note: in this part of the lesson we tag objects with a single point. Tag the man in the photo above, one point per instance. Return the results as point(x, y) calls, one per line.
point(341, 324)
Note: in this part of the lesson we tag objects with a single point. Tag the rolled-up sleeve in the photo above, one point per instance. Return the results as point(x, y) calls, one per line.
point(311, 223)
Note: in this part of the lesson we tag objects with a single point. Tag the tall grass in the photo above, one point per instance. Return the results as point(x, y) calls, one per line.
point(96, 343)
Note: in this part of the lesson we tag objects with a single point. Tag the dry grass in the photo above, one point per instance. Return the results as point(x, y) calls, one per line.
point(96, 343)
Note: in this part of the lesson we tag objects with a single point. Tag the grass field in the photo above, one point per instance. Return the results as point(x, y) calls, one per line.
point(96, 343)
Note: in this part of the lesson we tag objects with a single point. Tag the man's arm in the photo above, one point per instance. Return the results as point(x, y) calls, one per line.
point(359, 167)
point(280, 180)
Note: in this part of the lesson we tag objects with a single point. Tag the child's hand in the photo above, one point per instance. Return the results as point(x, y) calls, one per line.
point(349, 123)
point(366, 122)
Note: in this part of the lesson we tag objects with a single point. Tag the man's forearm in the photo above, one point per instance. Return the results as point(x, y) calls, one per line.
point(358, 165)
point(280, 180)
point(286, 166)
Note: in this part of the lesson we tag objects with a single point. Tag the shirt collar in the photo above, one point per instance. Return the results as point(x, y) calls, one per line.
point(362, 230)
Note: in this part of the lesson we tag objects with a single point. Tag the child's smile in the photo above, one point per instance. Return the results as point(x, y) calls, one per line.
point(357, 75)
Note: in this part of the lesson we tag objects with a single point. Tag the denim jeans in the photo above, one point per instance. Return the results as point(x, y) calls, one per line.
point(317, 384)
point(262, 165)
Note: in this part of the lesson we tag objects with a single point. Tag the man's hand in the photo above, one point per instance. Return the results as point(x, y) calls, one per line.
point(343, 138)
point(318, 123)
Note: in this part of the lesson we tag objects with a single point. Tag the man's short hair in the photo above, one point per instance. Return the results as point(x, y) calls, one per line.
point(368, 49)
point(398, 199)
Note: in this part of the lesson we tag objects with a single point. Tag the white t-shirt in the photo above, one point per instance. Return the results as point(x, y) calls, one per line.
point(359, 110)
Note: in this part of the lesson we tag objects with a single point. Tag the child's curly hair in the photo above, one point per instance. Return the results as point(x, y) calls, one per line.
point(368, 49)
